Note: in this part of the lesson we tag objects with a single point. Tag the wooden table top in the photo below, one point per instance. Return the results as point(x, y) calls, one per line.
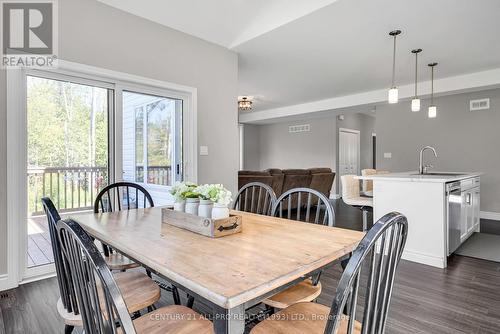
point(228, 271)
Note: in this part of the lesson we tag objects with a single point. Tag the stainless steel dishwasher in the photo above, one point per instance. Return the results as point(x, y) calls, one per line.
point(462, 200)
point(455, 215)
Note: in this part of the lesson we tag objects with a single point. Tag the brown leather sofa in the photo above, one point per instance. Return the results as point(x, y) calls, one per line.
point(320, 179)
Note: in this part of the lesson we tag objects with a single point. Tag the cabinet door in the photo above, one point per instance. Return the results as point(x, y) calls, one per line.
point(476, 201)
point(470, 210)
point(463, 218)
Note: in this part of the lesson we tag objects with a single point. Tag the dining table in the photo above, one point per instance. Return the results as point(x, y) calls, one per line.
point(229, 274)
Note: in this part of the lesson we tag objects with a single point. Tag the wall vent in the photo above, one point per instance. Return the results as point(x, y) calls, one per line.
point(299, 128)
point(481, 104)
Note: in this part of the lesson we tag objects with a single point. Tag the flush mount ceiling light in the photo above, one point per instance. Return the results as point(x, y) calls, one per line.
point(244, 103)
point(432, 108)
point(393, 92)
point(415, 103)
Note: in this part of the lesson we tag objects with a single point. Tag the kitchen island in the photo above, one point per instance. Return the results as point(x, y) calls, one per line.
point(442, 210)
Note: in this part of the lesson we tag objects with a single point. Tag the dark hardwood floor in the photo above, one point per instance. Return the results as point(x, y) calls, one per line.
point(464, 298)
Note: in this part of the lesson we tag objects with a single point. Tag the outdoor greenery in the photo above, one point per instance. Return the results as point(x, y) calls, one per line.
point(67, 124)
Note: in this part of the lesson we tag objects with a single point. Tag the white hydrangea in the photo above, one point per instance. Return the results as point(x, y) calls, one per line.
point(214, 192)
point(178, 190)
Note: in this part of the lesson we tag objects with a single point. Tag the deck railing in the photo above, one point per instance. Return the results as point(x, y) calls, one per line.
point(70, 188)
point(75, 188)
point(160, 175)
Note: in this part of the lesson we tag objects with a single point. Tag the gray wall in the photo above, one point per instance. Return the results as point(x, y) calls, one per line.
point(365, 124)
point(277, 148)
point(272, 146)
point(465, 141)
point(281, 149)
point(251, 147)
point(95, 34)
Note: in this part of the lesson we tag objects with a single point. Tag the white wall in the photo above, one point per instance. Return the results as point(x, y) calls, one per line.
point(98, 35)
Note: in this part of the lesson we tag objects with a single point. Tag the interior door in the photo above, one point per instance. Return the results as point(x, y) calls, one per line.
point(348, 152)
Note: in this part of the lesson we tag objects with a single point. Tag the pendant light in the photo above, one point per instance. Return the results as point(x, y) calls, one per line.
point(432, 107)
point(393, 92)
point(415, 103)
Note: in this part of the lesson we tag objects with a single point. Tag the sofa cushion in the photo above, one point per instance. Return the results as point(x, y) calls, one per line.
point(252, 172)
point(273, 171)
point(322, 182)
point(319, 170)
point(296, 172)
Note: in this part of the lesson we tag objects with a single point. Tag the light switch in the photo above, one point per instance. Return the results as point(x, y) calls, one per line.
point(203, 150)
point(388, 155)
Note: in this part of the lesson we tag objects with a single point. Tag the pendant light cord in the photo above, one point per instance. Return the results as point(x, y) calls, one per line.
point(416, 73)
point(394, 62)
point(432, 85)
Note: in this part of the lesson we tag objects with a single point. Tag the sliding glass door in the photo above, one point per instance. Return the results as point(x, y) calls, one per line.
point(152, 142)
point(67, 153)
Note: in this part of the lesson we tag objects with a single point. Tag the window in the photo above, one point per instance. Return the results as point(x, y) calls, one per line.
point(152, 140)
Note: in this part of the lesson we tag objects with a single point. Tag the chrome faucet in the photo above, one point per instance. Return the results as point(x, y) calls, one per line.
point(421, 168)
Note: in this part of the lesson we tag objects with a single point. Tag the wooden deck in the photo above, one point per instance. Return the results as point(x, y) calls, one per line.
point(39, 247)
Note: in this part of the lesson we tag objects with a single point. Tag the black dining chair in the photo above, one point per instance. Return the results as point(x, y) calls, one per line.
point(310, 206)
point(138, 289)
point(102, 305)
point(368, 280)
point(116, 197)
point(120, 196)
point(306, 205)
point(255, 197)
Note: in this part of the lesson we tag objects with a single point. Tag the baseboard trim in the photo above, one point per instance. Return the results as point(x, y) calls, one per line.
point(489, 215)
point(6, 283)
point(426, 259)
point(38, 278)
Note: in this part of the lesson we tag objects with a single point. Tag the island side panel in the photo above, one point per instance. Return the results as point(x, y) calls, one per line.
point(423, 203)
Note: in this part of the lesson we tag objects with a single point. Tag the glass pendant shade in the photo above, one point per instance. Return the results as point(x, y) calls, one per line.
point(393, 95)
point(415, 105)
point(432, 112)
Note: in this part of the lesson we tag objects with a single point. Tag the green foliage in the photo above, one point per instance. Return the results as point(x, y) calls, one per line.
point(67, 124)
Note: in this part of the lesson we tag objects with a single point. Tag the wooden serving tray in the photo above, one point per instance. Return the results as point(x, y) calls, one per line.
point(213, 228)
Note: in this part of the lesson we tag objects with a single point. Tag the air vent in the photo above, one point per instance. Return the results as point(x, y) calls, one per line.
point(482, 104)
point(299, 128)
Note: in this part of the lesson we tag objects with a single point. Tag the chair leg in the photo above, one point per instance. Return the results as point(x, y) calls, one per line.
point(190, 301)
point(68, 329)
point(175, 294)
point(365, 220)
point(344, 262)
point(270, 310)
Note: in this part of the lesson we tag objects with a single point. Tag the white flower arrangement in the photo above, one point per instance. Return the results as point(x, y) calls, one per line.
point(180, 189)
point(215, 193)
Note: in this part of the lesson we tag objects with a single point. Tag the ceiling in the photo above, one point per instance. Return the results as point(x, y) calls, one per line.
point(297, 51)
point(224, 22)
point(345, 49)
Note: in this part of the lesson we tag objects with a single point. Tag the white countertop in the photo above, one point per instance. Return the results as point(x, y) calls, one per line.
point(416, 177)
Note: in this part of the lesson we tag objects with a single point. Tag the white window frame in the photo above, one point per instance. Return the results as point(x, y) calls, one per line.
point(16, 147)
point(173, 171)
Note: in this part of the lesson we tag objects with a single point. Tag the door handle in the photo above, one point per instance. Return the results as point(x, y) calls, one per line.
point(468, 198)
